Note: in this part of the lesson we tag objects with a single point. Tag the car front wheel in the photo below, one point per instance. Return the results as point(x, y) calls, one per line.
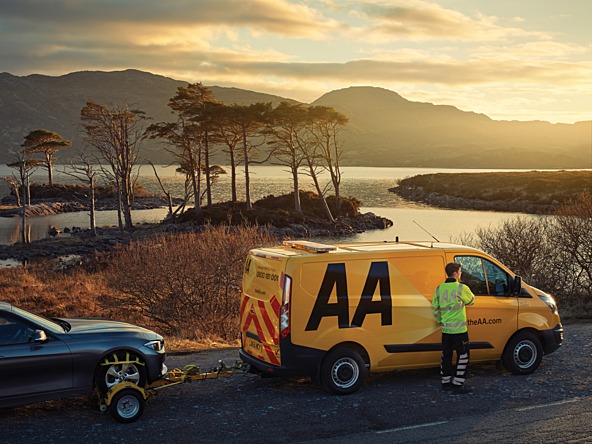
point(120, 367)
point(523, 354)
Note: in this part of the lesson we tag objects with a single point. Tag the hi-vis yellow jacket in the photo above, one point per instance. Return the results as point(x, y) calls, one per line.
point(448, 306)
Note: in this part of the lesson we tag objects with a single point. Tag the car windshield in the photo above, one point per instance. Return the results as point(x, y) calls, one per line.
point(45, 323)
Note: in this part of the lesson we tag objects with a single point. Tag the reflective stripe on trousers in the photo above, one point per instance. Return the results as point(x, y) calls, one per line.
point(460, 344)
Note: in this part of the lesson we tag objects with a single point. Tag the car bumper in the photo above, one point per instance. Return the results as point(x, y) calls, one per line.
point(552, 339)
point(155, 366)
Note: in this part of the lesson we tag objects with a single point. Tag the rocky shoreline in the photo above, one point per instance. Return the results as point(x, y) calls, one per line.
point(49, 207)
point(79, 243)
point(439, 200)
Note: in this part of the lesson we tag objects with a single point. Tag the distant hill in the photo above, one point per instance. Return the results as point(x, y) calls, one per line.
point(43, 102)
point(384, 128)
point(387, 130)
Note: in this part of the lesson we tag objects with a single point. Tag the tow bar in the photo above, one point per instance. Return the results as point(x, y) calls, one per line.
point(125, 400)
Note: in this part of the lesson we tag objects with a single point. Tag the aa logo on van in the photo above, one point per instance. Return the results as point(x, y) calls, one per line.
point(336, 278)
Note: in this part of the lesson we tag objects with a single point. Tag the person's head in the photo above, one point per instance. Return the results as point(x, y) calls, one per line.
point(453, 270)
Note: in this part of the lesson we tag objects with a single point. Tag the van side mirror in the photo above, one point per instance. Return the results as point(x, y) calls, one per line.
point(517, 286)
point(39, 336)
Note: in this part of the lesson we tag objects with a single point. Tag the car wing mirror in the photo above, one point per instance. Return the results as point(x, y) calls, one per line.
point(39, 336)
point(517, 286)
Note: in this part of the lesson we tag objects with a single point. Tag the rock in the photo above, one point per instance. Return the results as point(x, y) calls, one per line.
point(53, 231)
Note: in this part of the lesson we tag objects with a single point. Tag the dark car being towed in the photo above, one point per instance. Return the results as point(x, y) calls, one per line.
point(42, 359)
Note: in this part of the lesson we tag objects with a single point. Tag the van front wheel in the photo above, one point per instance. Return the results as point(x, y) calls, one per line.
point(343, 371)
point(523, 354)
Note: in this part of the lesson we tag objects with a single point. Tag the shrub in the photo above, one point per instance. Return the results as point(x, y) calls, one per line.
point(187, 285)
point(553, 253)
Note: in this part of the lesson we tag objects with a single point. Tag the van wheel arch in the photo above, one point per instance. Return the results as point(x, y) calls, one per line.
point(344, 368)
point(523, 352)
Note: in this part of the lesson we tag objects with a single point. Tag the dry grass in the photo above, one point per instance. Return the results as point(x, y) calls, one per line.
point(184, 286)
point(80, 294)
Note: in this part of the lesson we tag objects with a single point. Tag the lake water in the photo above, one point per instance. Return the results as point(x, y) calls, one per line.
point(369, 185)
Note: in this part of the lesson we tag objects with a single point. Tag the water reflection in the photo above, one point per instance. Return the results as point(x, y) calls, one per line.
point(369, 185)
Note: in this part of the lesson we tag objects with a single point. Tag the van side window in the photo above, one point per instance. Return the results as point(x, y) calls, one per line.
point(483, 277)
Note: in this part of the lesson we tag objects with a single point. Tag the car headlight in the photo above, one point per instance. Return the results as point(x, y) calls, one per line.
point(548, 299)
point(157, 345)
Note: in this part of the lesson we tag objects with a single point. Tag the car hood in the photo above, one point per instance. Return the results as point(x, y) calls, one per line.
point(81, 326)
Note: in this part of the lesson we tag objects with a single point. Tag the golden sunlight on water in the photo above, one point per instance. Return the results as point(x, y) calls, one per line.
point(369, 185)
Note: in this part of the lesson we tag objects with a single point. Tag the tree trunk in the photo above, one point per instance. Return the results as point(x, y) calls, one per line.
point(247, 176)
point(233, 177)
point(126, 201)
point(119, 208)
point(196, 185)
point(49, 162)
point(315, 180)
point(297, 206)
point(207, 162)
point(93, 224)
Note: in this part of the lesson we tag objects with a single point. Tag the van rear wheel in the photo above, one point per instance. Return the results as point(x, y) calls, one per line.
point(523, 354)
point(343, 371)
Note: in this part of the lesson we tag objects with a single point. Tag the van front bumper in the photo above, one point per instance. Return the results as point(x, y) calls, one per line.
point(552, 338)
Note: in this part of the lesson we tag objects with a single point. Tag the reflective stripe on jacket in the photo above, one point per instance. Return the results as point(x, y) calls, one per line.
point(448, 306)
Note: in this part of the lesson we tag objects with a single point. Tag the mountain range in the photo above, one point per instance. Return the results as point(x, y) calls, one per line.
point(384, 128)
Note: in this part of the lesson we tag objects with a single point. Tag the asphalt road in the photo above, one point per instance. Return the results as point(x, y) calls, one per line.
point(550, 406)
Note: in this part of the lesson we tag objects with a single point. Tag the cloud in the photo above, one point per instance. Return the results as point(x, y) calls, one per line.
point(274, 16)
point(421, 20)
point(293, 48)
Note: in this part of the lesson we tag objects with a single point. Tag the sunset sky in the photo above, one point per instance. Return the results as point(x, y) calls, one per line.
point(509, 59)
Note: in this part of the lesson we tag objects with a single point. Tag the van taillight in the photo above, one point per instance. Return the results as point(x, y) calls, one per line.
point(285, 309)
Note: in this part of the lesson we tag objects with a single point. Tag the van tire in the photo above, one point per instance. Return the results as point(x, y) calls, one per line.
point(523, 353)
point(343, 371)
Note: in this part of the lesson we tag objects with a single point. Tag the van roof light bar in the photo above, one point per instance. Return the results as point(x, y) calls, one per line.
point(312, 247)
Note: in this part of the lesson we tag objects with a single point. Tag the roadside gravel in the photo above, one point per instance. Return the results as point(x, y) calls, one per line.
point(248, 409)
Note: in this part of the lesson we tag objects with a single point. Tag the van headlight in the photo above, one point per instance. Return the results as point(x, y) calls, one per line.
point(157, 346)
point(548, 299)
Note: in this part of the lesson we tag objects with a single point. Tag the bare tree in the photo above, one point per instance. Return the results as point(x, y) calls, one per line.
point(553, 252)
point(229, 133)
point(15, 186)
point(166, 192)
point(521, 243)
point(571, 236)
point(243, 126)
point(25, 168)
point(287, 124)
point(115, 132)
point(191, 135)
point(182, 137)
point(326, 127)
point(85, 170)
point(311, 151)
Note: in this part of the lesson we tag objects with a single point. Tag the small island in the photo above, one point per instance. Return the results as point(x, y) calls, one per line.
point(275, 214)
point(533, 192)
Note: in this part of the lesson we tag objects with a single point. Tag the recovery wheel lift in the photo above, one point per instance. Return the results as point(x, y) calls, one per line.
point(125, 400)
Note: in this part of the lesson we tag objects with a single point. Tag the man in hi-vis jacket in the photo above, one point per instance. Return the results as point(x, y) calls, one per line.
point(448, 307)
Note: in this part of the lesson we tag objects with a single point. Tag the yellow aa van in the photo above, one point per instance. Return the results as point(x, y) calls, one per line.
point(335, 312)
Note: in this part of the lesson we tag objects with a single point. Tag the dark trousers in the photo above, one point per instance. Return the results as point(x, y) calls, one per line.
point(458, 343)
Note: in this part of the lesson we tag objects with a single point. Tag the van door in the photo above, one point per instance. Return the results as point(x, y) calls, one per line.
point(493, 318)
point(261, 300)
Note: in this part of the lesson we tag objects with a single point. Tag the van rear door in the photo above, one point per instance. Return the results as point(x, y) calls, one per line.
point(261, 299)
